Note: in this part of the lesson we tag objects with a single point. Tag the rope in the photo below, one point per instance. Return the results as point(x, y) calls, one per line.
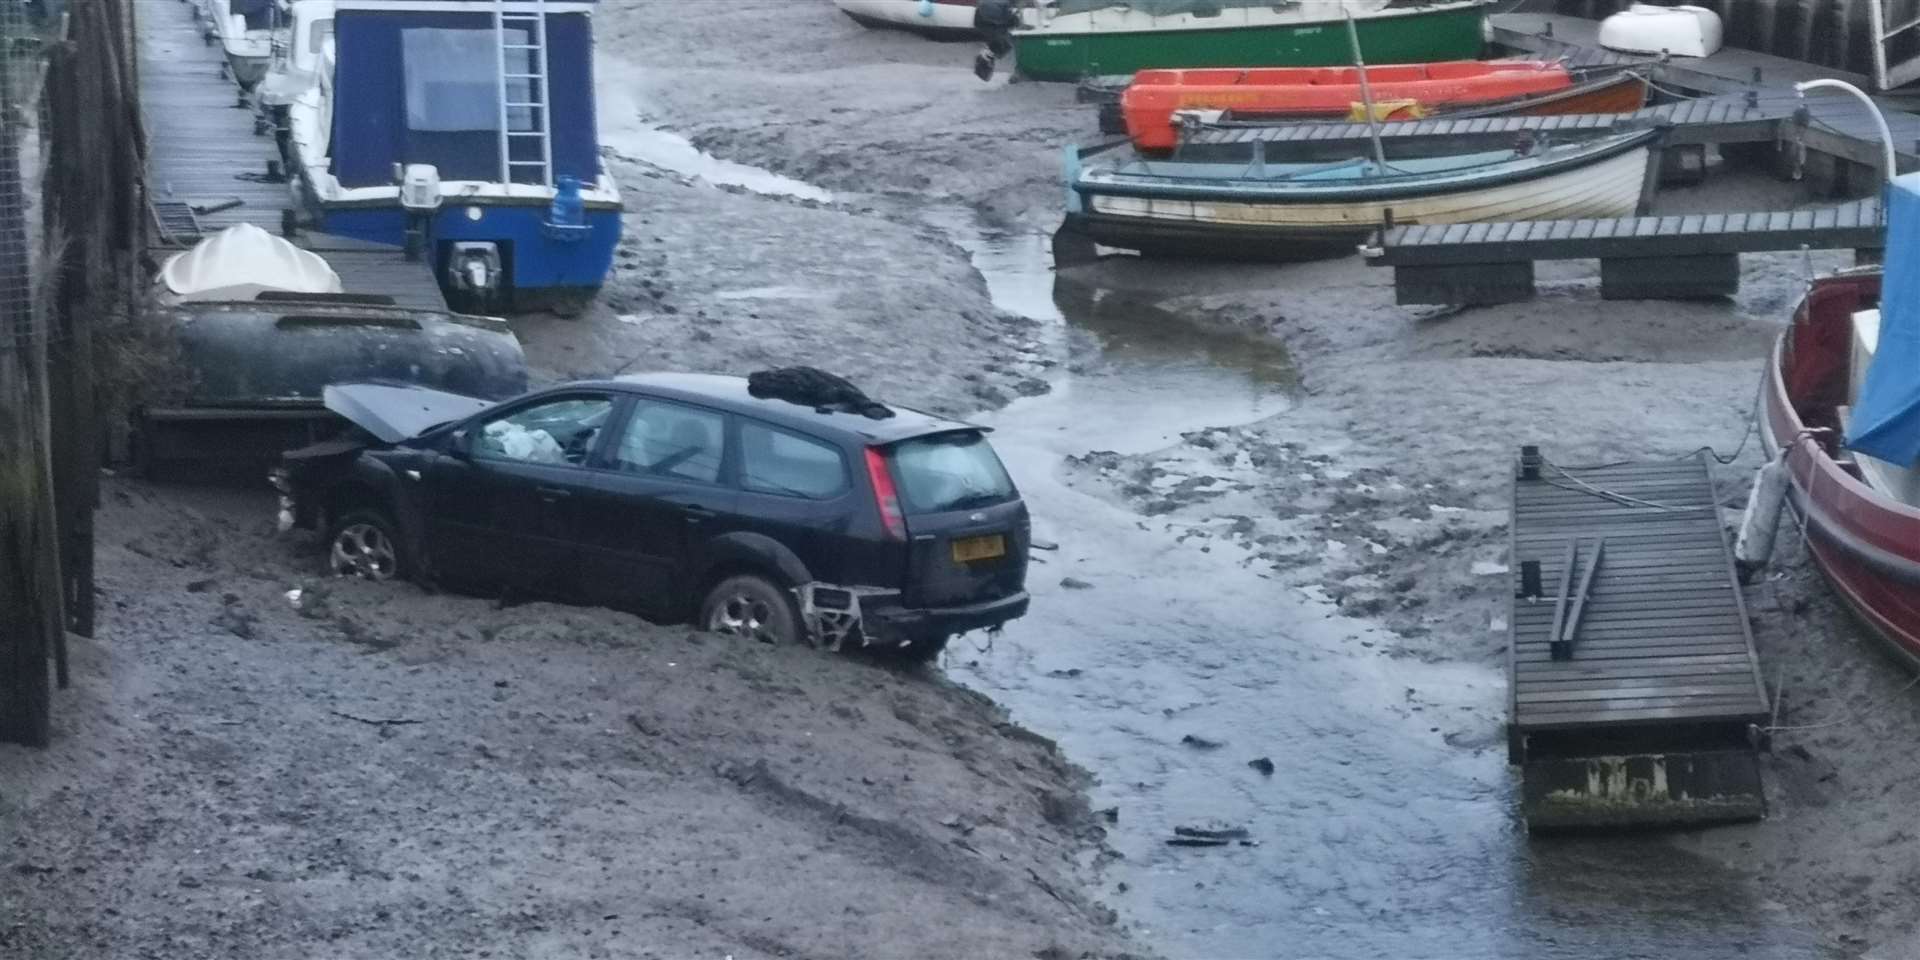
point(1849, 718)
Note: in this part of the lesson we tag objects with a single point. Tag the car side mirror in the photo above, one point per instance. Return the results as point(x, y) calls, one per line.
point(460, 444)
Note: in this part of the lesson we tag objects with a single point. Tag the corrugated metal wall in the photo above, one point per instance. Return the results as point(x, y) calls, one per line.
point(1833, 33)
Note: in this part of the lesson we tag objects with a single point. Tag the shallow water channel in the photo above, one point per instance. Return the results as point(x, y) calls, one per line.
point(1374, 836)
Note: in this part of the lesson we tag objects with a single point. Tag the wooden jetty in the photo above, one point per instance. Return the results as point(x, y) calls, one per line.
point(1842, 128)
point(1734, 118)
point(209, 166)
point(1635, 695)
point(1744, 98)
point(1648, 257)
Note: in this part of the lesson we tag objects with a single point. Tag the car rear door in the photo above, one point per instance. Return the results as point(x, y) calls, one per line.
point(967, 527)
point(661, 485)
point(798, 490)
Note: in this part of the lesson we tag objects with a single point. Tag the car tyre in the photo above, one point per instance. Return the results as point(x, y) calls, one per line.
point(750, 606)
point(366, 543)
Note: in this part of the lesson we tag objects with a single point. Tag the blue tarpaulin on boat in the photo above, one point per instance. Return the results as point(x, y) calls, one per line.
point(1886, 419)
point(421, 87)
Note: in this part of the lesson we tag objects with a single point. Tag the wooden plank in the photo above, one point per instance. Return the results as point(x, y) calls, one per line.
point(1643, 616)
point(1597, 710)
point(1540, 656)
point(1751, 710)
point(1625, 691)
point(1651, 625)
point(1720, 677)
point(1631, 668)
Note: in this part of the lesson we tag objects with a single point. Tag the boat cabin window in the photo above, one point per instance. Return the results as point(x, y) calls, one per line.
point(454, 107)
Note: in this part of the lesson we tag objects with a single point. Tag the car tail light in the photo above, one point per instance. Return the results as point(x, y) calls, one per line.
point(884, 495)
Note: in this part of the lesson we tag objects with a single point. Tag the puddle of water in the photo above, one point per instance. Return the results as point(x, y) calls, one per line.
point(1376, 836)
point(626, 132)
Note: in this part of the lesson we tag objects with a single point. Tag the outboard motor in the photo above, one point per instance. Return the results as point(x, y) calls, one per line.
point(474, 268)
point(420, 198)
point(994, 20)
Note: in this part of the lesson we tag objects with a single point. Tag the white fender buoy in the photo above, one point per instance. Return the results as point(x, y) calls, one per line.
point(1754, 547)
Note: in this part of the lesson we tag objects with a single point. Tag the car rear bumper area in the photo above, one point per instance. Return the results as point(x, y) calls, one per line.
point(953, 620)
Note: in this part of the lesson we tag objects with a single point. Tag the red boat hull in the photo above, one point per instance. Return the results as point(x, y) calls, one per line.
point(1865, 543)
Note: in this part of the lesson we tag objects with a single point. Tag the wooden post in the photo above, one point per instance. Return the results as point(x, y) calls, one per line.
point(29, 594)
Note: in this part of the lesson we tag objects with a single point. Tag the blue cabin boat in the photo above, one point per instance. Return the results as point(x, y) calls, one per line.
point(460, 129)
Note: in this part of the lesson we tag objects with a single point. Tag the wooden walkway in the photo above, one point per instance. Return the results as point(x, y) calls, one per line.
point(1652, 257)
point(1841, 125)
point(207, 167)
point(1655, 658)
point(1725, 119)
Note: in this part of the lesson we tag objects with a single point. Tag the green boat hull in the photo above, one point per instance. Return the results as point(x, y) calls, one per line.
point(1420, 36)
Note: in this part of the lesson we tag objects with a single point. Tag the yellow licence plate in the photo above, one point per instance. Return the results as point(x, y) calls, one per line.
point(969, 549)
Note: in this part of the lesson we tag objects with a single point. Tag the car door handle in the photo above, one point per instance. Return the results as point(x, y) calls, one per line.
point(553, 493)
point(696, 513)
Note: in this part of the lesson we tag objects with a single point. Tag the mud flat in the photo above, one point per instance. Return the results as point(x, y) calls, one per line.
point(364, 770)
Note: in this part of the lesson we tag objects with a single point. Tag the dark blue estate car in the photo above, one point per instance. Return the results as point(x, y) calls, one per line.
point(678, 496)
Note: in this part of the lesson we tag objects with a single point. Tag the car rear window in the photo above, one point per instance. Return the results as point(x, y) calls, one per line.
point(778, 462)
point(949, 471)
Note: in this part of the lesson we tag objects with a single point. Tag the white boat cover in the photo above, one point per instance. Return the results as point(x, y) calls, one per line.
point(1683, 31)
point(241, 261)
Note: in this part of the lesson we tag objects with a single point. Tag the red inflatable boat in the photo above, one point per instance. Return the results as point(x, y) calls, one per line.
point(1400, 92)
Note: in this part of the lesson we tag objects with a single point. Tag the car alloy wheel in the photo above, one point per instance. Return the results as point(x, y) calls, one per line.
point(741, 615)
point(362, 549)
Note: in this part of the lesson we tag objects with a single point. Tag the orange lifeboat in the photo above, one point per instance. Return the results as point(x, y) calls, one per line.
point(1400, 92)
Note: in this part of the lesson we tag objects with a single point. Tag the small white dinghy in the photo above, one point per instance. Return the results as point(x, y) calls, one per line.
point(1684, 31)
point(934, 19)
point(241, 262)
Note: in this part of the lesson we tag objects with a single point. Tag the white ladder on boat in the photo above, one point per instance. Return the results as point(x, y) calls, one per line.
point(534, 23)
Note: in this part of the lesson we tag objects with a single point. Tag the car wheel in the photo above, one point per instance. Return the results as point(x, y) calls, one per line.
point(366, 544)
point(751, 607)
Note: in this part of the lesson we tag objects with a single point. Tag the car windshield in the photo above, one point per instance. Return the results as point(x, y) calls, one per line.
point(950, 471)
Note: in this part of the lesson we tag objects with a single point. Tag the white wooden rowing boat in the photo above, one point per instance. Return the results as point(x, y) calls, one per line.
point(1298, 209)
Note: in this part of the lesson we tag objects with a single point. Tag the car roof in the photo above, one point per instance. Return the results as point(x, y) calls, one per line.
point(730, 393)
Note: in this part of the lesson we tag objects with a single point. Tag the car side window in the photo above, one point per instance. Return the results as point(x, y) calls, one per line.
point(557, 432)
point(779, 462)
point(669, 440)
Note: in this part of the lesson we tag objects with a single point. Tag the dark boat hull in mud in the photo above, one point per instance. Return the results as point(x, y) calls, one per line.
point(1866, 543)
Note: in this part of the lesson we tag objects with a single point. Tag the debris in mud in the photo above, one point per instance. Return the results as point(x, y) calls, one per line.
point(643, 725)
point(234, 619)
point(1074, 583)
point(1262, 764)
point(1201, 743)
point(1067, 674)
point(1218, 835)
point(1111, 814)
